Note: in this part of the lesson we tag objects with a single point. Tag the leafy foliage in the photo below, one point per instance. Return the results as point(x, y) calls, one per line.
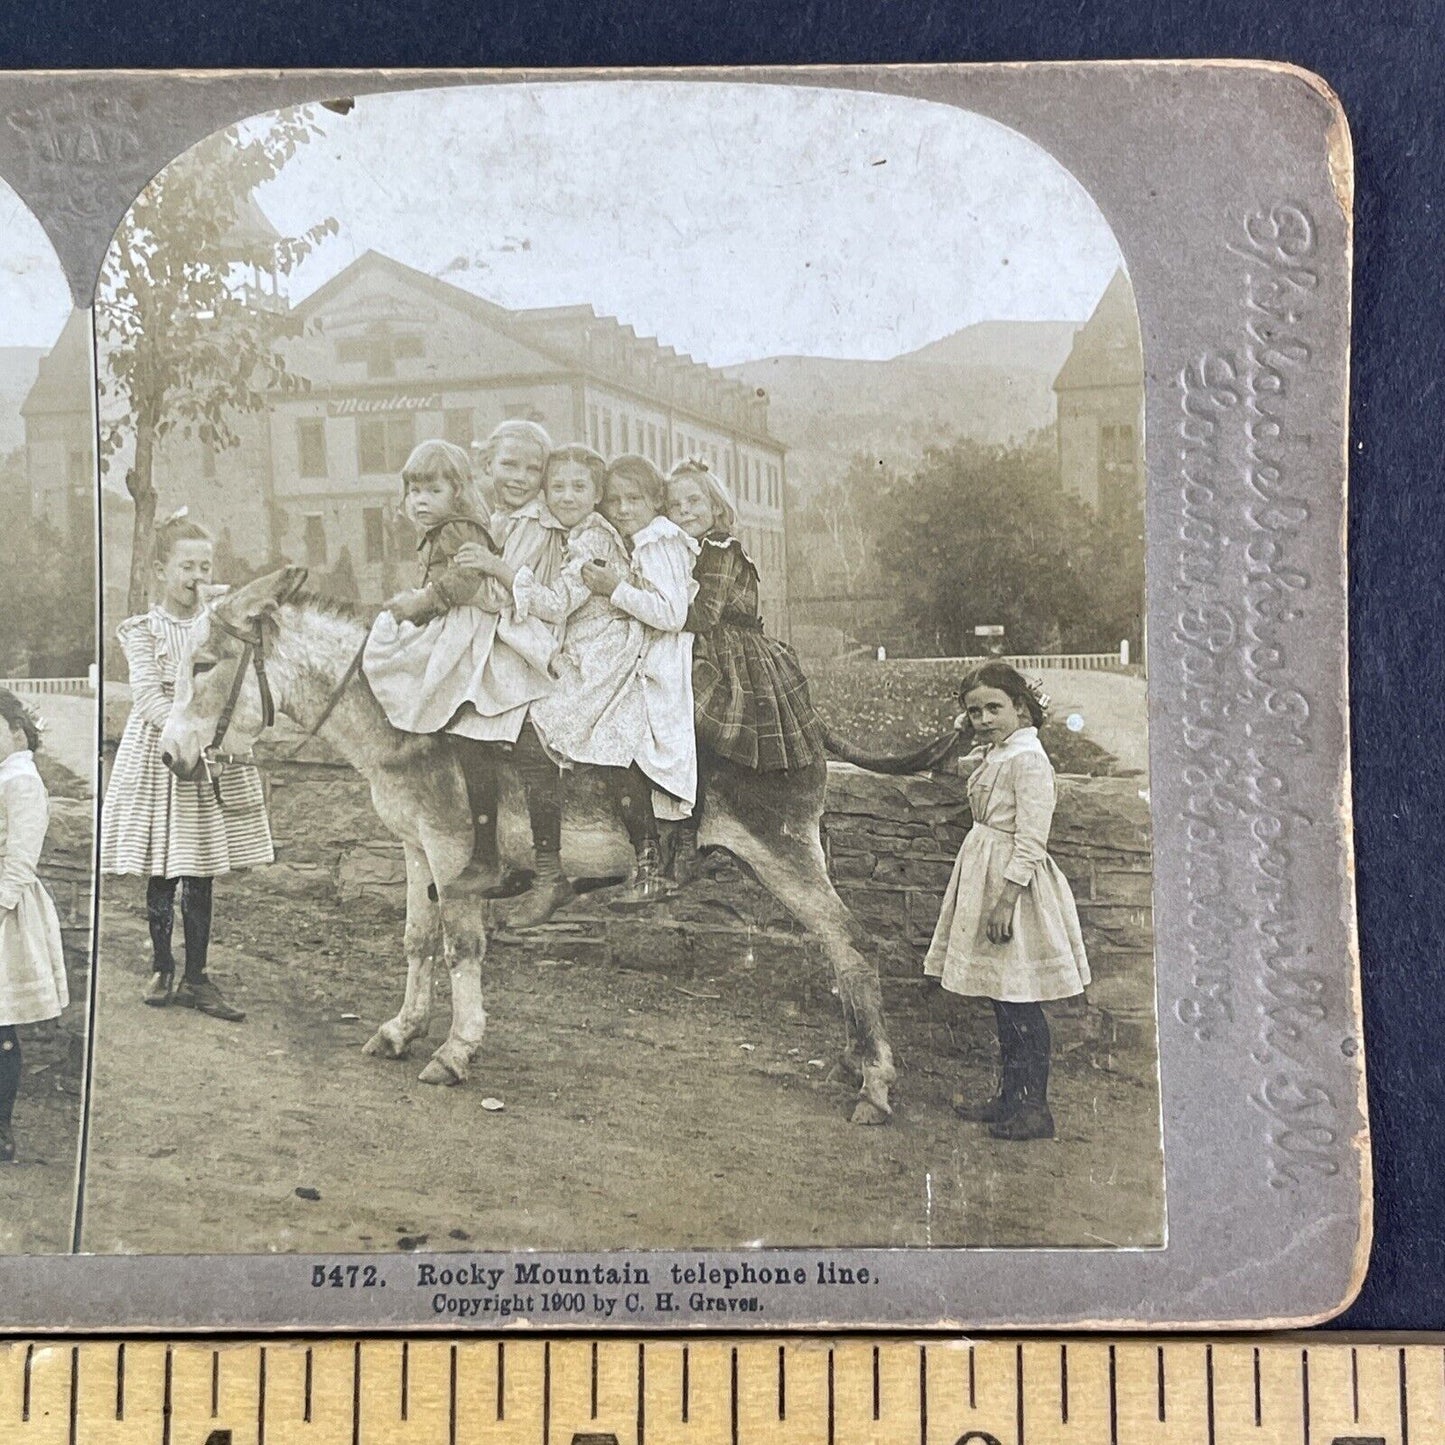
point(985, 535)
point(185, 348)
point(47, 589)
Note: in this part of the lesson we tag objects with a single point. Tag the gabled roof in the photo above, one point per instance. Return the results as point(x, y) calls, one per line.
point(62, 383)
point(444, 293)
point(1107, 350)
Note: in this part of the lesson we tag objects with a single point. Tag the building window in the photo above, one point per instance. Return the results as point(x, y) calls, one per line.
point(379, 349)
point(311, 446)
point(315, 540)
point(373, 526)
point(457, 426)
point(606, 447)
point(383, 443)
point(625, 435)
point(208, 462)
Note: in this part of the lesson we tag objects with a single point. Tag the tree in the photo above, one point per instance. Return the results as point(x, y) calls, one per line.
point(985, 535)
point(47, 588)
point(184, 348)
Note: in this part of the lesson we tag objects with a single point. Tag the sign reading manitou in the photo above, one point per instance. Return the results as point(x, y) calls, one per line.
point(401, 401)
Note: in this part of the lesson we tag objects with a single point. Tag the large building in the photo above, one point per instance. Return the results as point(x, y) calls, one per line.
point(59, 416)
point(1100, 392)
point(392, 356)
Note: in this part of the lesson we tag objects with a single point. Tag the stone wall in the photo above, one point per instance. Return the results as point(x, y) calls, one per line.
point(892, 843)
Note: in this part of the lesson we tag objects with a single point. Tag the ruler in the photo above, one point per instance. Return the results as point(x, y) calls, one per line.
point(717, 1391)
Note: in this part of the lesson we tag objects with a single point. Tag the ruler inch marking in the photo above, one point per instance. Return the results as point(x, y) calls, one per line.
point(452, 1401)
point(405, 1380)
point(167, 1401)
point(1159, 1370)
point(1258, 1398)
point(356, 1394)
point(120, 1381)
point(261, 1399)
point(1404, 1402)
point(642, 1393)
point(1063, 1384)
point(1019, 1392)
point(831, 1403)
point(215, 1383)
point(1209, 1392)
point(1355, 1384)
point(75, 1392)
point(546, 1392)
point(1304, 1390)
point(923, 1395)
point(25, 1389)
point(972, 1381)
point(877, 1385)
point(733, 1392)
point(686, 1382)
point(594, 1379)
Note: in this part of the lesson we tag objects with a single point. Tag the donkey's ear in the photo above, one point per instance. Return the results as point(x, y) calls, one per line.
point(291, 580)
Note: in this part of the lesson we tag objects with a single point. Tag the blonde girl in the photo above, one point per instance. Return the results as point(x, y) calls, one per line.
point(1009, 930)
point(32, 966)
point(624, 696)
point(175, 834)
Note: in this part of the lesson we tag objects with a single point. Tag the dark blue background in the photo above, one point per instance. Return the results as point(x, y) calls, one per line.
point(1387, 69)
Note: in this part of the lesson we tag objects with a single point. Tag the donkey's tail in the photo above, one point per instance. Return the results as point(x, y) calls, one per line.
point(920, 760)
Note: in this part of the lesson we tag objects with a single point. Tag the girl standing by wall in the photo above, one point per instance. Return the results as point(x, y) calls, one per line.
point(33, 985)
point(1008, 930)
point(175, 834)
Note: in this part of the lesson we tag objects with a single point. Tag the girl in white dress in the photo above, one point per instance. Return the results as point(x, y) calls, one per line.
point(623, 700)
point(32, 967)
point(155, 826)
point(454, 655)
point(1008, 930)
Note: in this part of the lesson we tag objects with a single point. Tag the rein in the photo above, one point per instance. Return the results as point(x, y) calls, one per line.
point(253, 652)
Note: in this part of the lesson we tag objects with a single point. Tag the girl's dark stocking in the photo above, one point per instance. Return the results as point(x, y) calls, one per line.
point(1010, 1072)
point(1031, 1119)
point(479, 767)
point(10, 1068)
point(196, 924)
point(633, 792)
point(161, 916)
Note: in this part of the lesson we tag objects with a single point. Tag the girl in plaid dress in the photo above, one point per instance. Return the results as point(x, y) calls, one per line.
point(153, 825)
point(751, 698)
point(32, 967)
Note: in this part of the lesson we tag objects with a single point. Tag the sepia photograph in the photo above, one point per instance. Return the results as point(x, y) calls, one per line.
point(625, 705)
point(48, 692)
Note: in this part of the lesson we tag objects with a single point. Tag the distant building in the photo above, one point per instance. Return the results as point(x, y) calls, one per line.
point(1100, 393)
point(393, 356)
point(59, 417)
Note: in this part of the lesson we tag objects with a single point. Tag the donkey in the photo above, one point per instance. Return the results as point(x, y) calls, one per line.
point(268, 645)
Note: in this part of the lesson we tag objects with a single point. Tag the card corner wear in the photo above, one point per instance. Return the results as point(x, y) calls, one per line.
point(893, 864)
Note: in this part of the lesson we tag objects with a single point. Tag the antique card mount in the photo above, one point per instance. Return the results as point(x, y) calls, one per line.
point(1229, 187)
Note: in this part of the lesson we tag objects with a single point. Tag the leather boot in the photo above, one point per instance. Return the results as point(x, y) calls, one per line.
point(1032, 1119)
point(549, 891)
point(648, 886)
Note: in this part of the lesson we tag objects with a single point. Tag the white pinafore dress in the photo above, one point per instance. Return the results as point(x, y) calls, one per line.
point(152, 824)
point(32, 965)
point(1012, 796)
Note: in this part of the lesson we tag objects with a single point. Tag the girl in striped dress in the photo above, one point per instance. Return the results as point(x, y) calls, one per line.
point(32, 967)
point(152, 824)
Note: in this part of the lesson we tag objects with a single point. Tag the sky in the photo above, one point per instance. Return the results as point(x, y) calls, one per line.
point(34, 295)
point(731, 221)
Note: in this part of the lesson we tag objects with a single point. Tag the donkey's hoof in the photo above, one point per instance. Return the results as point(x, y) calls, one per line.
point(382, 1045)
point(865, 1111)
point(437, 1072)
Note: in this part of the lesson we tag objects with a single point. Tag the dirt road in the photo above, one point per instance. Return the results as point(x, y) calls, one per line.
point(642, 1107)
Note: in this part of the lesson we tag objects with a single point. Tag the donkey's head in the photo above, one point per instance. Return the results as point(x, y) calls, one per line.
point(219, 700)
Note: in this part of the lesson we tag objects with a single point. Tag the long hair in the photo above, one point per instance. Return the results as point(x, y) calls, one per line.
point(1007, 680)
point(725, 512)
point(439, 461)
point(17, 715)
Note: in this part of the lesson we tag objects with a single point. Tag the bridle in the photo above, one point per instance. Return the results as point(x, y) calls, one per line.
point(253, 656)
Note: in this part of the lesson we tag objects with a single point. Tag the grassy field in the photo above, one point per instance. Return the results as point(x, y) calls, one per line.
point(892, 706)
